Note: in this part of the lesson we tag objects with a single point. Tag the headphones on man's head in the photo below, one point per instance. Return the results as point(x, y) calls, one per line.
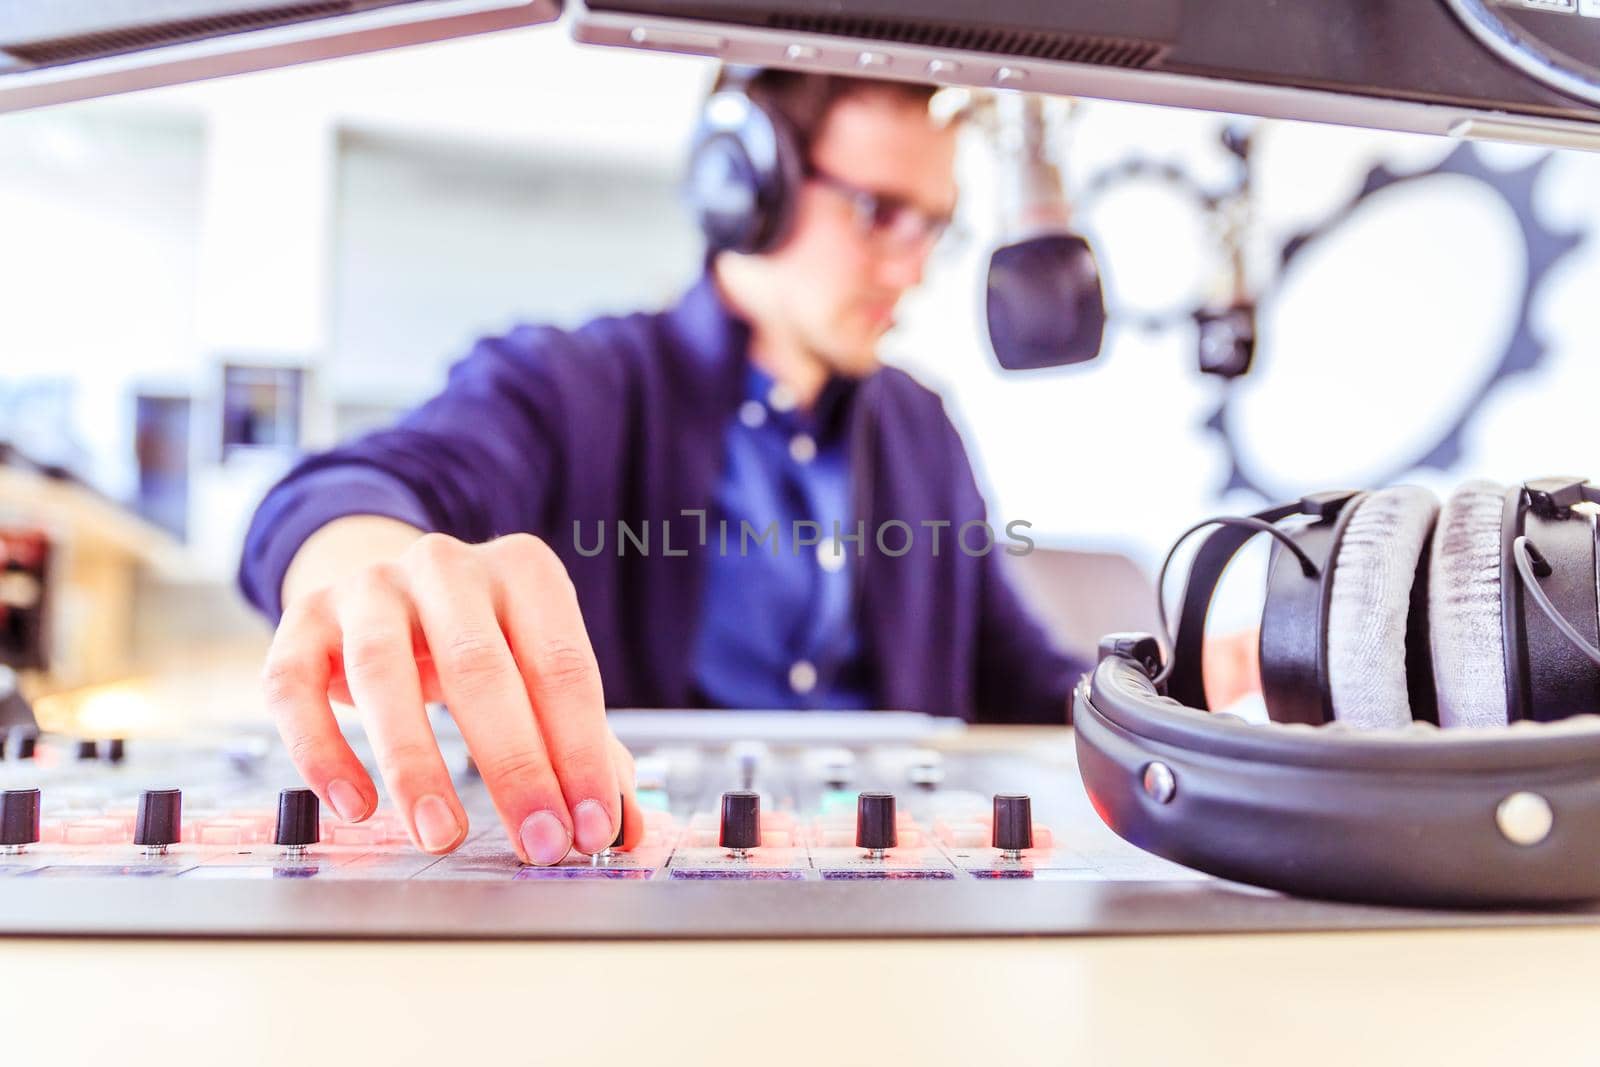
point(1386, 616)
point(745, 167)
point(747, 162)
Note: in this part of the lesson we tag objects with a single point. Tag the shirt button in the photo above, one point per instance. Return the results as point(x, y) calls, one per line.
point(781, 398)
point(752, 414)
point(802, 448)
point(802, 676)
point(830, 556)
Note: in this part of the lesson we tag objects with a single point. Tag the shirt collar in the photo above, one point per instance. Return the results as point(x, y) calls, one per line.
point(827, 420)
point(713, 335)
point(709, 332)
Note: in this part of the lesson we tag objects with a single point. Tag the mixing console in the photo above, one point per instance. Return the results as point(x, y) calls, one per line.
point(756, 824)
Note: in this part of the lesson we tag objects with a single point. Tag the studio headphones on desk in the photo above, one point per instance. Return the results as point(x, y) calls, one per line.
point(1433, 680)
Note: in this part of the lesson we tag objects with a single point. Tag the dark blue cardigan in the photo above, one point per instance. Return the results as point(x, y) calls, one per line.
point(624, 419)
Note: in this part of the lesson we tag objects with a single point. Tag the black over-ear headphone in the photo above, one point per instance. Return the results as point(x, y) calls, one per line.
point(1387, 616)
point(745, 167)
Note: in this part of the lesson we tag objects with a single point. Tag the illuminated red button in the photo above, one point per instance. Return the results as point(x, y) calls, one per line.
point(965, 835)
point(94, 832)
point(383, 828)
point(221, 831)
point(356, 834)
point(124, 818)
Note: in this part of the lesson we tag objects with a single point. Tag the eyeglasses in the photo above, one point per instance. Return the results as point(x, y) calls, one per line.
point(891, 220)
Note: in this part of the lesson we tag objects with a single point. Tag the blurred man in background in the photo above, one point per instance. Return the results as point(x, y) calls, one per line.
point(473, 554)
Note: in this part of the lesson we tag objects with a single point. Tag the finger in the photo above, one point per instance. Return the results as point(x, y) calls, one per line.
point(539, 610)
point(451, 592)
point(295, 685)
point(375, 620)
point(633, 827)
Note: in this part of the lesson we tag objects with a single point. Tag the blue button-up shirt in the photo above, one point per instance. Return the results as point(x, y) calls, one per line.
point(779, 629)
point(542, 430)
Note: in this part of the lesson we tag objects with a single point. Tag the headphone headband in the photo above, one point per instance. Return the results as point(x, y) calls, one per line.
point(1418, 816)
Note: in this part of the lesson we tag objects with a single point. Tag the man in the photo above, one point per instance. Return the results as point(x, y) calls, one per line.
point(462, 556)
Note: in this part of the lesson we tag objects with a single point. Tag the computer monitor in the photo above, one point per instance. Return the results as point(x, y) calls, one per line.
point(63, 50)
point(1512, 70)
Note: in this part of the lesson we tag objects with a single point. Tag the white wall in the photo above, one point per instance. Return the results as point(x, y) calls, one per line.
point(439, 244)
point(99, 239)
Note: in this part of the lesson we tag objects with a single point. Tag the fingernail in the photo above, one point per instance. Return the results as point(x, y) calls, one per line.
point(346, 800)
point(594, 827)
point(545, 839)
point(436, 824)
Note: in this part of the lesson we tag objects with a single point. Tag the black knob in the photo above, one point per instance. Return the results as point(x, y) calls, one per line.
point(875, 821)
point(27, 743)
point(299, 818)
point(115, 750)
point(741, 820)
point(19, 817)
point(622, 822)
point(88, 750)
point(160, 818)
point(1013, 822)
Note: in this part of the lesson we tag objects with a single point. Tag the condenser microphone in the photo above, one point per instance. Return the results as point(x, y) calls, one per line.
point(1045, 304)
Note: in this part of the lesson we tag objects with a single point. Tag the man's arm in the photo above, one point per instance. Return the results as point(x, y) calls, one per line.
point(396, 591)
point(1023, 676)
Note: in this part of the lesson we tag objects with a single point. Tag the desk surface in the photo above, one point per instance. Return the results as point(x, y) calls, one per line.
point(1459, 997)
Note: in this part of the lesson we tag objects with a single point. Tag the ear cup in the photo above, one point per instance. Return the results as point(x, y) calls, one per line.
point(1369, 609)
point(743, 174)
point(1464, 611)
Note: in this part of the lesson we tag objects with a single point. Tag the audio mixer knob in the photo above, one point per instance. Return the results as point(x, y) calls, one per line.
point(116, 750)
point(19, 820)
point(88, 750)
point(606, 854)
point(299, 821)
point(741, 821)
point(27, 743)
point(875, 825)
point(159, 820)
point(1013, 824)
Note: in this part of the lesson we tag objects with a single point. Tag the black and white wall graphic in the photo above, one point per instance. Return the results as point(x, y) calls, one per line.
point(1425, 311)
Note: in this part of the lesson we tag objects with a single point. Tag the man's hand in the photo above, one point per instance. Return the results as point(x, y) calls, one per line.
point(494, 631)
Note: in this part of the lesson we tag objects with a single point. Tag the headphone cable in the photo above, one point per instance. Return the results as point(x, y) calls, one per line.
point(1167, 638)
point(1531, 566)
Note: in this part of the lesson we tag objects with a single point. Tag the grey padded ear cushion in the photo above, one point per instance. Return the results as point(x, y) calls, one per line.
point(1469, 657)
point(1370, 606)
